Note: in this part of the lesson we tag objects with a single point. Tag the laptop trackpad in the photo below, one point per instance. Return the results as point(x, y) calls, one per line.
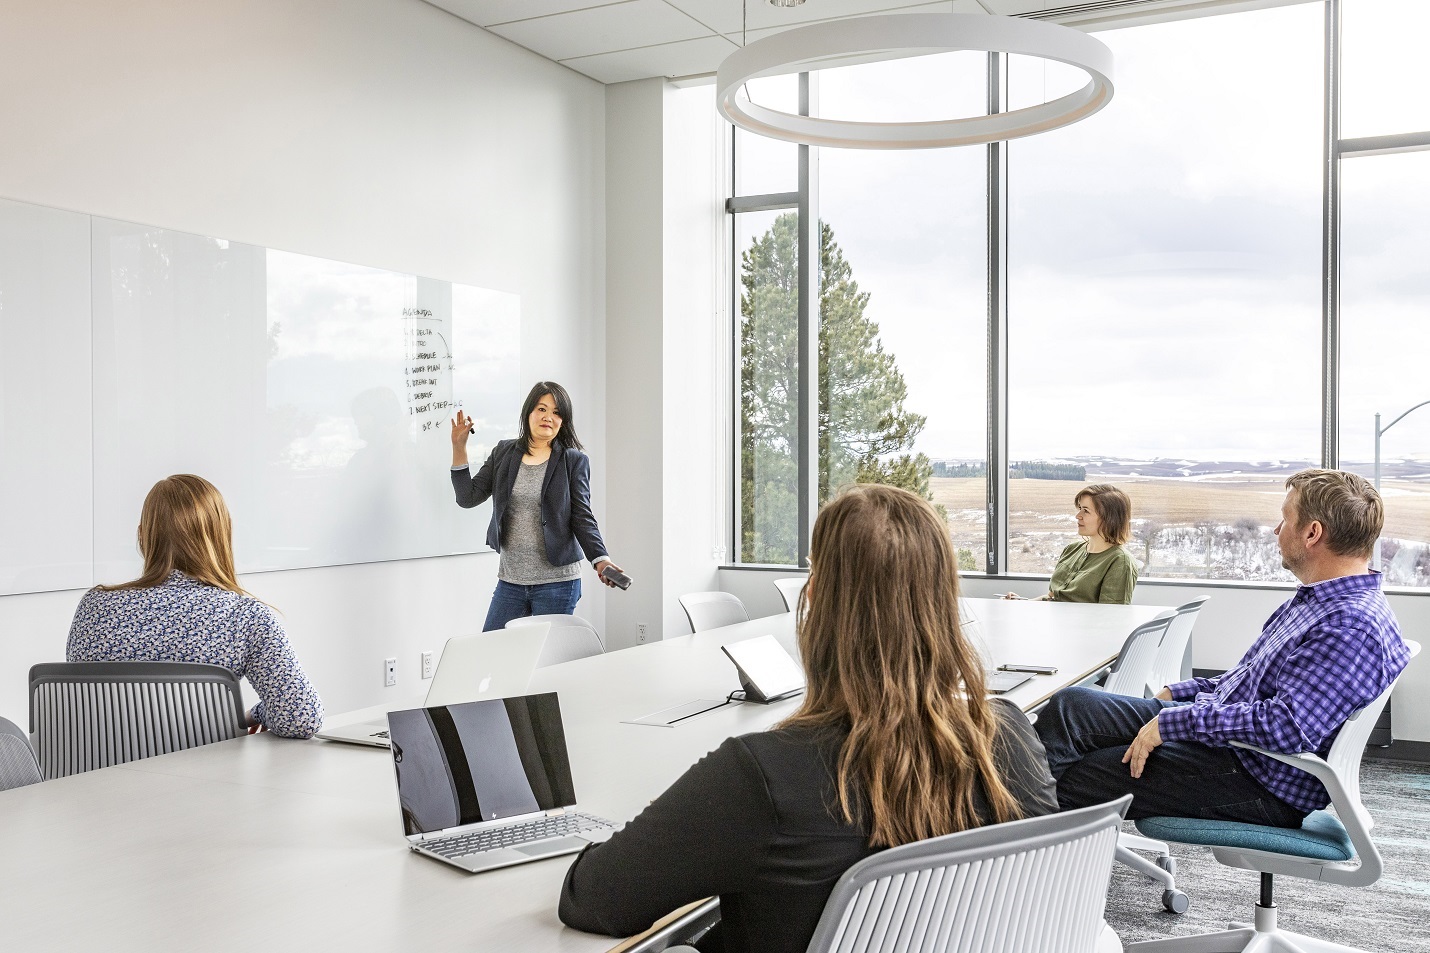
point(562, 845)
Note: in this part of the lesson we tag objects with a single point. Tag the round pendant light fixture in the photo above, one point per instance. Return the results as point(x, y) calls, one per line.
point(892, 36)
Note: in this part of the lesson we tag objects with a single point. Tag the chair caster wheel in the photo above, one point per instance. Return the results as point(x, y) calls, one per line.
point(1168, 863)
point(1175, 901)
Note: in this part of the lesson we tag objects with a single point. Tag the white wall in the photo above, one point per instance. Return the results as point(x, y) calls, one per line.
point(1226, 626)
point(383, 132)
point(634, 364)
point(663, 360)
point(697, 337)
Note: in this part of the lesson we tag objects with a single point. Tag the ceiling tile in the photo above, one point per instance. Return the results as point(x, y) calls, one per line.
point(725, 16)
point(970, 6)
point(487, 12)
point(685, 58)
point(624, 26)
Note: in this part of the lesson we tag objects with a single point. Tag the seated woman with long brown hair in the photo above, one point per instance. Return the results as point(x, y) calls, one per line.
point(895, 741)
point(188, 607)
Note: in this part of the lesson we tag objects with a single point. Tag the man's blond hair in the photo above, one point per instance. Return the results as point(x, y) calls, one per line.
point(1346, 506)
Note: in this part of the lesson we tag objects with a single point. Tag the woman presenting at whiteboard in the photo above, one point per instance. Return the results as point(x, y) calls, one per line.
point(540, 488)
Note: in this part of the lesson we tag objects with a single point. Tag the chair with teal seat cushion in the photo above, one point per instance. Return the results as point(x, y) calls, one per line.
point(1331, 848)
point(1320, 836)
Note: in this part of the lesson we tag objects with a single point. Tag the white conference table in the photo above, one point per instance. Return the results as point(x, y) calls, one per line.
point(262, 843)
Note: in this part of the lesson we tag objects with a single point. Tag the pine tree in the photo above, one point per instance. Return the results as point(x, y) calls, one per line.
point(862, 421)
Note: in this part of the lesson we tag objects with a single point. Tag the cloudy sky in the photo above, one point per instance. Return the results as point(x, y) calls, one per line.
point(1165, 253)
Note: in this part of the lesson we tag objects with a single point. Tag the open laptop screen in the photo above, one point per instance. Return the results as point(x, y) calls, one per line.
point(479, 761)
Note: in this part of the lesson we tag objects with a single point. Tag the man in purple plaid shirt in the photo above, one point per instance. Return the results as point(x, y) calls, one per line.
point(1326, 653)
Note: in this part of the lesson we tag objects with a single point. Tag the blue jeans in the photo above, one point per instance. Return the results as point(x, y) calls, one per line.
point(511, 601)
point(1085, 733)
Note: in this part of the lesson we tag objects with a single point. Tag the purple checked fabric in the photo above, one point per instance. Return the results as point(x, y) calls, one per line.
point(1325, 654)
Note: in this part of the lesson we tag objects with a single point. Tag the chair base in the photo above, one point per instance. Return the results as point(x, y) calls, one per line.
point(1262, 937)
point(1163, 871)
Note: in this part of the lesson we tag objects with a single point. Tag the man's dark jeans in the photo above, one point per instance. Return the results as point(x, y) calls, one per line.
point(1086, 732)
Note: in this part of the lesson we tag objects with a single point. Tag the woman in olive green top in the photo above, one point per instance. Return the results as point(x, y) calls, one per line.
point(1096, 568)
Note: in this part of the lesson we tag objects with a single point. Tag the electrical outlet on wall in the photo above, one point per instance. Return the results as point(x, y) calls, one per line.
point(426, 664)
point(389, 672)
point(640, 631)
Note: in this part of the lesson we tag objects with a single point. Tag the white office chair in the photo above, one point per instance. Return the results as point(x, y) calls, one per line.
point(1168, 666)
point(1027, 886)
point(1333, 848)
point(571, 637)
point(1165, 669)
point(1129, 676)
point(1137, 658)
point(711, 610)
point(790, 590)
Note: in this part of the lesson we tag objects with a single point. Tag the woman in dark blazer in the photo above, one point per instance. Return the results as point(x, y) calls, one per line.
point(540, 488)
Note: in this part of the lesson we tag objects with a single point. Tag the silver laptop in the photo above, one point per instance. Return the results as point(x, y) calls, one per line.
point(485, 665)
point(487, 784)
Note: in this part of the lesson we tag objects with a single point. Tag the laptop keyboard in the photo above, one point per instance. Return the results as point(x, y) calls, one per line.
point(512, 835)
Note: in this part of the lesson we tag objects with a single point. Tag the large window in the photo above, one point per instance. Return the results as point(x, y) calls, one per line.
point(902, 302)
point(1385, 282)
point(1165, 275)
point(768, 387)
point(901, 376)
point(1168, 287)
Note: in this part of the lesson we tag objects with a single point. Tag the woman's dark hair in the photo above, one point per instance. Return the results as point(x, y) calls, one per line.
point(567, 434)
point(1114, 511)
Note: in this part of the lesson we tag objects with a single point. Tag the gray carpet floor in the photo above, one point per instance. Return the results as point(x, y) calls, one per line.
point(1390, 916)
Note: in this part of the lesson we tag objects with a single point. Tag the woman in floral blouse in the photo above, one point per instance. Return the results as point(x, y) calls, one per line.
point(188, 607)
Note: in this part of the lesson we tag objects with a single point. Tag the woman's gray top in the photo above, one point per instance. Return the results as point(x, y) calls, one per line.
point(523, 550)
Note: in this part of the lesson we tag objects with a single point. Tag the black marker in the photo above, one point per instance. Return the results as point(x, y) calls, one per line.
point(470, 430)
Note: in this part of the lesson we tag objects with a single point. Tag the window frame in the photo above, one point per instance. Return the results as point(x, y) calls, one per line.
point(805, 198)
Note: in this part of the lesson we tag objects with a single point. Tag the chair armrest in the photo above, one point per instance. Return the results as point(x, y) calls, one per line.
point(1307, 761)
point(1352, 814)
point(673, 930)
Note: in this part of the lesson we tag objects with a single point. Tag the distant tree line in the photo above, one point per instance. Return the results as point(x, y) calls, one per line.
point(942, 468)
point(1025, 470)
point(1039, 470)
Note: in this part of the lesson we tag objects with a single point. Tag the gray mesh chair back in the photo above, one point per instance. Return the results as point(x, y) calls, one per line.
point(1028, 886)
point(571, 637)
point(1134, 665)
point(18, 765)
point(1168, 667)
point(87, 715)
point(711, 610)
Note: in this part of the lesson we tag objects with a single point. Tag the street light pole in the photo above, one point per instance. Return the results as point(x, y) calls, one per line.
point(1379, 430)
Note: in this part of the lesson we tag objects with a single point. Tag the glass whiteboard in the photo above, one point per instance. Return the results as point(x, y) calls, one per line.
point(314, 394)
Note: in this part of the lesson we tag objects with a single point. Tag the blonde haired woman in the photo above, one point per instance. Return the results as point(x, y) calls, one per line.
point(188, 607)
point(895, 741)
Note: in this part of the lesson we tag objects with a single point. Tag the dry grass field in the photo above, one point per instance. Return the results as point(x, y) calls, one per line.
point(1041, 520)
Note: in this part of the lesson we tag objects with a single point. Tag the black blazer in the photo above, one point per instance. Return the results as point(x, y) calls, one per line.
point(752, 822)
point(567, 523)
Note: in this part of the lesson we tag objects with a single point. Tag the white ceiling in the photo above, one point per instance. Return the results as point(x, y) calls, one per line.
point(617, 40)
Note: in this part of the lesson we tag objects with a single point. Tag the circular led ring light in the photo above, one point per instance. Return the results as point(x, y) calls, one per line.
point(869, 39)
